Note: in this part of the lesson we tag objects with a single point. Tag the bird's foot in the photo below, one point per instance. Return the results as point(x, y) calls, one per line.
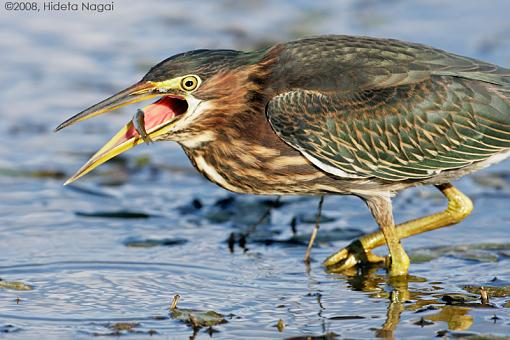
point(351, 256)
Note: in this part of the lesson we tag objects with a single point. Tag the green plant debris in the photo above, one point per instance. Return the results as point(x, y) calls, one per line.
point(280, 325)
point(15, 285)
point(41, 173)
point(123, 326)
point(196, 318)
point(492, 291)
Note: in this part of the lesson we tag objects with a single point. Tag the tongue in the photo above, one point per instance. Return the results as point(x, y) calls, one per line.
point(158, 113)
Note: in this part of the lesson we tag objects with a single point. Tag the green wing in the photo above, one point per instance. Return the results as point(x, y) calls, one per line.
point(394, 120)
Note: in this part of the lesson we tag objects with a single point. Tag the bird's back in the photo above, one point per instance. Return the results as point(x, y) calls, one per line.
point(352, 63)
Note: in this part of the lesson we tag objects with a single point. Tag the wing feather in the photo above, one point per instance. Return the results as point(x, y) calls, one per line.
point(410, 131)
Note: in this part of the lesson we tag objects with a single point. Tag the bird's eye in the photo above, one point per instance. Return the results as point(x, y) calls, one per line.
point(189, 83)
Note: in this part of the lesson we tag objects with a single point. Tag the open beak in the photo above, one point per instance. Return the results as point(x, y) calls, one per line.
point(158, 119)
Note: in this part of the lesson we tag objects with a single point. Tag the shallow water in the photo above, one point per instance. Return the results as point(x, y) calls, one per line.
point(106, 256)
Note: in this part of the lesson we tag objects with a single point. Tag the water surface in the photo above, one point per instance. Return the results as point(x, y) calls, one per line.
point(114, 248)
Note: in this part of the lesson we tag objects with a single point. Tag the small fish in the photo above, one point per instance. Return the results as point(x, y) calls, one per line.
point(139, 124)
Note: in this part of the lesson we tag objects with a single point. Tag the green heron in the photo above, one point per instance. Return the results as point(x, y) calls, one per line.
point(327, 115)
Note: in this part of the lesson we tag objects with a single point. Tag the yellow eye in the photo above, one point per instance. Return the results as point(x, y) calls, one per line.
point(189, 83)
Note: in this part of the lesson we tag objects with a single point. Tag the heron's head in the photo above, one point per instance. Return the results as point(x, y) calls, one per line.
point(190, 89)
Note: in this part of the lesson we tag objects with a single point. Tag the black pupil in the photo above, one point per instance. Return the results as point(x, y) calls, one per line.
point(189, 83)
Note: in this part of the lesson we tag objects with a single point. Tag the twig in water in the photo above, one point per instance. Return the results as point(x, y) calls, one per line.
point(173, 305)
point(484, 295)
point(314, 232)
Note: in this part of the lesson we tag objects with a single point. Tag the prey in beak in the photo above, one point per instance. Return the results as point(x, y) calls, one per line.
point(147, 124)
point(139, 124)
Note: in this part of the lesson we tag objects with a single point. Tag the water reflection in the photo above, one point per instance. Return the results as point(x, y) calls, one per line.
point(150, 209)
point(426, 305)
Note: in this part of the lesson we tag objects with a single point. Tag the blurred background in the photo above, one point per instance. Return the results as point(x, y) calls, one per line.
point(106, 255)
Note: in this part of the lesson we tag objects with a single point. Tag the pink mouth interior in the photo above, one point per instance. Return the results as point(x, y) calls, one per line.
point(162, 111)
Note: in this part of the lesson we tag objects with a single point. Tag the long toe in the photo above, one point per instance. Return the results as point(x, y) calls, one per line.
point(351, 256)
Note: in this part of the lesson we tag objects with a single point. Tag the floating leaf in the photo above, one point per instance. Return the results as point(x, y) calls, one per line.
point(15, 285)
point(493, 291)
point(197, 318)
point(123, 326)
point(458, 299)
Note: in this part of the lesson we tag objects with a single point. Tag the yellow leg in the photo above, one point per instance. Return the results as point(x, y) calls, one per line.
point(381, 209)
point(359, 251)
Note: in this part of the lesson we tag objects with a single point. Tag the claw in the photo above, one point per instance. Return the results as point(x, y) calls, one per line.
point(139, 124)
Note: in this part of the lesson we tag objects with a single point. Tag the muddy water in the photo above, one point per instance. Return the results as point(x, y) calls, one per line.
point(107, 255)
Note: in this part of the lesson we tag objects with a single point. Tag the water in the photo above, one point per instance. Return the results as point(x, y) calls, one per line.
point(106, 256)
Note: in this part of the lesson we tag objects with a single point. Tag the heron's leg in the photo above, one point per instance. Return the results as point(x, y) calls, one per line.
point(359, 251)
point(381, 209)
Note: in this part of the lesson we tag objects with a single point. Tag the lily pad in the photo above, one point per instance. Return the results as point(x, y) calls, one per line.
point(197, 318)
point(15, 285)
